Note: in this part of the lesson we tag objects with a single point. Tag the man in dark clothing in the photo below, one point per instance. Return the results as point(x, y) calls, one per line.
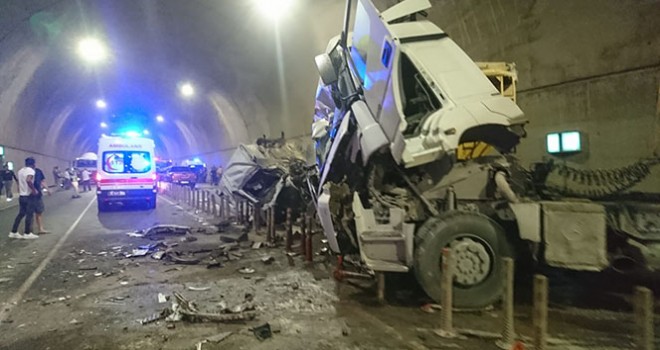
point(41, 187)
point(8, 177)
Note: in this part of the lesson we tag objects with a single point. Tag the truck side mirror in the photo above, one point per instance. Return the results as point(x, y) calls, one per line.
point(326, 69)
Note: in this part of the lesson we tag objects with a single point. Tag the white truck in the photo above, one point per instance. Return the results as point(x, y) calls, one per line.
point(396, 101)
point(126, 172)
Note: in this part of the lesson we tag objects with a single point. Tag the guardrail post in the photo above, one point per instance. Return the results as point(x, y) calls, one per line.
point(644, 333)
point(257, 217)
point(447, 287)
point(508, 333)
point(540, 319)
point(289, 230)
point(309, 251)
point(214, 207)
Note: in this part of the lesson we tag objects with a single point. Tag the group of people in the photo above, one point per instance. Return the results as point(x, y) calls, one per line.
point(31, 187)
point(72, 178)
point(7, 178)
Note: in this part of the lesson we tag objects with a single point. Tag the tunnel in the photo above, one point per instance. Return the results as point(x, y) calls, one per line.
point(380, 189)
point(254, 76)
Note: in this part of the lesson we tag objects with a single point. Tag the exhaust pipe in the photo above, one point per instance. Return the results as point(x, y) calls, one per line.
point(624, 264)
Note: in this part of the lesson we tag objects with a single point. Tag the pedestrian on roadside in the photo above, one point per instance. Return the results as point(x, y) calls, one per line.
point(8, 177)
point(86, 180)
point(57, 176)
point(41, 187)
point(218, 174)
point(26, 192)
point(214, 175)
point(74, 183)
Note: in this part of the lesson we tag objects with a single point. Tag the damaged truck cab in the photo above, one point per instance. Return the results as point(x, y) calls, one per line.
point(398, 104)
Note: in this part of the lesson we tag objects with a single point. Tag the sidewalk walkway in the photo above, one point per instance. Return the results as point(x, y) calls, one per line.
point(6, 205)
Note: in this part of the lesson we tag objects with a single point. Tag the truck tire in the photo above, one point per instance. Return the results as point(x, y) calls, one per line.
point(478, 245)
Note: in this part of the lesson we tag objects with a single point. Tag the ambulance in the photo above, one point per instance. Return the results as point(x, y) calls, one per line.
point(126, 172)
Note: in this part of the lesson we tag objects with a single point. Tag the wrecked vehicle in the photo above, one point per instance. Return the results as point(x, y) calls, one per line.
point(398, 107)
point(270, 173)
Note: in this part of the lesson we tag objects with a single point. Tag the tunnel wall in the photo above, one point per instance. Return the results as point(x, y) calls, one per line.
point(589, 65)
point(44, 162)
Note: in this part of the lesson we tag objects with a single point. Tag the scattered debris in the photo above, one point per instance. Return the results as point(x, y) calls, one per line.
point(183, 309)
point(198, 289)
point(137, 252)
point(5, 279)
point(188, 238)
point(98, 274)
point(123, 283)
point(178, 260)
point(262, 332)
point(75, 322)
point(214, 264)
point(214, 339)
point(153, 318)
point(267, 260)
point(162, 298)
point(257, 245)
point(158, 255)
point(246, 270)
point(234, 237)
point(87, 268)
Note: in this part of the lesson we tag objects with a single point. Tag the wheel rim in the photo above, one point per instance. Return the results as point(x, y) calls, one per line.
point(473, 259)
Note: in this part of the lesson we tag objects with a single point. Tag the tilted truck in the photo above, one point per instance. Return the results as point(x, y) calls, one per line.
point(397, 102)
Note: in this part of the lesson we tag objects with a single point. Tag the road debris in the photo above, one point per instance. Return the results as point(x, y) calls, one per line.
point(267, 260)
point(75, 322)
point(184, 310)
point(262, 332)
point(257, 245)
point(214, 264)
point(158, 255)
point(137, 253)
point(213, 339)
point(198, 289)
point(5, 279)
point(162, 298)
point(153, 318)
point(246, 270)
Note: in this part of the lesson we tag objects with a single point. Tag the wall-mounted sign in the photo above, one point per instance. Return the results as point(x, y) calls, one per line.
point(563, 142)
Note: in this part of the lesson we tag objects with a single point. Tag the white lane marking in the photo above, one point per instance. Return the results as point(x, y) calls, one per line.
point(178, 206)
point(18, 296)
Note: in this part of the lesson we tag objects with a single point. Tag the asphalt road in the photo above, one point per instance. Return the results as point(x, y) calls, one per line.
point(74, 289)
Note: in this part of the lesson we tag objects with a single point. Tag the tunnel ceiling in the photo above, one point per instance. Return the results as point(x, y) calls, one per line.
point(245, 86)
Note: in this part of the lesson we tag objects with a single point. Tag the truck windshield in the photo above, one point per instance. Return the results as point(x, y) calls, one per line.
point(126, 162)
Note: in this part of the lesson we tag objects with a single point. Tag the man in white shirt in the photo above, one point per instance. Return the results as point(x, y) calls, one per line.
point(27, 194)
point(86, 180)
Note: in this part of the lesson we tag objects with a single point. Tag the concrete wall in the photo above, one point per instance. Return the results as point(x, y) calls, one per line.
point(44, 162)
point(588, 65)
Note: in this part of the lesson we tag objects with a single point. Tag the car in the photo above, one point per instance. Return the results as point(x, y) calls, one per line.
point(182, 175)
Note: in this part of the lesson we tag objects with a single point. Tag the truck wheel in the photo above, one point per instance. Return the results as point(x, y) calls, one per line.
point(477, 245)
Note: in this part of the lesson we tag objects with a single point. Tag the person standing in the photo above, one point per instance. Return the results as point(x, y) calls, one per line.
point(41, 187)
point(8, 177)
point(218, 174)
point(56, 176)
point(86, 180)
point(214, 175)
point(26, 192)
point(74, 183)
